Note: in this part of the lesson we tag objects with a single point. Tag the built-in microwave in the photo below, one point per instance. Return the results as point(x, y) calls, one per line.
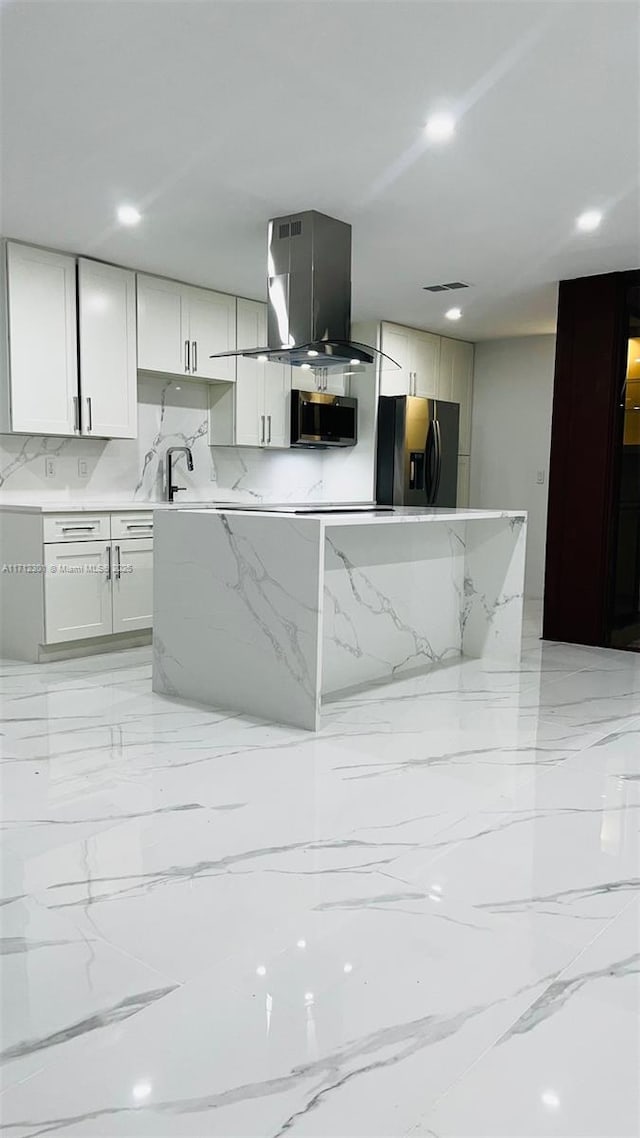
point(322, 420)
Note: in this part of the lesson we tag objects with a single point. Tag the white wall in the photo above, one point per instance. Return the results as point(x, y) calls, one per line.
point(511, 433)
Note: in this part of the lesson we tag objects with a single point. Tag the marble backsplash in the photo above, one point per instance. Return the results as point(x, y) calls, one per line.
point(170, 412)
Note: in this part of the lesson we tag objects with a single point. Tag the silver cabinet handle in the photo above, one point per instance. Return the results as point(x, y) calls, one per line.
point(89, 415)
point(186, 356)
point(109, 576)
point(194, 356)
point(118, 566)
point(262, 428)
point(76, 413)
point(139, 525)
point(78, 529)
point(269, 420)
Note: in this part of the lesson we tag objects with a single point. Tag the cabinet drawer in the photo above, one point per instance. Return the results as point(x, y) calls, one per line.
point(76, 527)
point(132, 524)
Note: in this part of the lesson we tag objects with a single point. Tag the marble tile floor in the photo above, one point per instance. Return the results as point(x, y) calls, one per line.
point(424, 920)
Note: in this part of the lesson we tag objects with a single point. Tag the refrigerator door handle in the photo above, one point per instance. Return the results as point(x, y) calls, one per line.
point(429, 463)
point(438, 471)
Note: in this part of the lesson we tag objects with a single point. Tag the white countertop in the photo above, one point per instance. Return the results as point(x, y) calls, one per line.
point(374, 517)
point(98, 505)
point(346, 518)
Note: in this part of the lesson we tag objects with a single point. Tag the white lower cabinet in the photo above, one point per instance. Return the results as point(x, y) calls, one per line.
point(73, 577)
point(77, 591)
point(96, 588)
point(132, 583)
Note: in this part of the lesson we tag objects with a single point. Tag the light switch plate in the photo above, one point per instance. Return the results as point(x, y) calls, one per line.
point(540, 478)
point(49, 467)
point(83, 468)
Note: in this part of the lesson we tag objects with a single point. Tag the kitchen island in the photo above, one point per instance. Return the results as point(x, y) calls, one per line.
point(267, 613)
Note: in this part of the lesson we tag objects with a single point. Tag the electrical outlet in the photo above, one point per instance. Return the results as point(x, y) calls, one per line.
point(540, 478)
point(49, 467)
point(83, 468)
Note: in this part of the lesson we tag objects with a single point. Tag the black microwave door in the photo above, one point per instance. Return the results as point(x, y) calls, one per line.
point(327, 422)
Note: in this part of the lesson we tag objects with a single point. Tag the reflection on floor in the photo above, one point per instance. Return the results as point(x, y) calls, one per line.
point(423, 921)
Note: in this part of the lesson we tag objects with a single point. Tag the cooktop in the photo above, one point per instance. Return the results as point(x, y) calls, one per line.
point(306, 507)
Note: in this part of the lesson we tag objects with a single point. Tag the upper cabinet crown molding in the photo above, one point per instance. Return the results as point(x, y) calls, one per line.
point(180, 327)
point(43, 392)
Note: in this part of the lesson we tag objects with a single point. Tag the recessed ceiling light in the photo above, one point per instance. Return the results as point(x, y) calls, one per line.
point(550, 1099)
point(589, 220)
point(305, 367)
point(453, 313)
point(129, 215)
point(354, 362)
point(262, 359)
point(440, 127)
point(312, 352)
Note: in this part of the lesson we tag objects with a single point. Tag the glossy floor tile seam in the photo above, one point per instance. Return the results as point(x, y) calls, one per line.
point(632, 907)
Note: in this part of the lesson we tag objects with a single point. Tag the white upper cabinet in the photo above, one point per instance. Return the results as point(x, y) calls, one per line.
point(425, 360)
point(180, 327)
point(277, 404)
point(107, 313)
point(418, 354)
point(163, 326)
point(456, 383)
point(396, 343)
point(253, 412)
point(212, 328)
point(248, 394)
point(43, 362)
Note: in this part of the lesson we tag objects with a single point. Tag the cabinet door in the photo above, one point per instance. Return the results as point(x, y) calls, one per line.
point(464, 463)
point(163, 326)
point(396, 343)
point(132, 583)
point(277, 404)
point(77, 591)
point(212, 328)
point(425, 359)
point(107, 310)
point(43, 352)
point(462, 390)
point(249, 424)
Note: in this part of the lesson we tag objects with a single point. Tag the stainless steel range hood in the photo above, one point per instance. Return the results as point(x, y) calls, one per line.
point(309, 295)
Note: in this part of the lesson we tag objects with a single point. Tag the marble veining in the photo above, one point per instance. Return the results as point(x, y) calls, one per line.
point(304, 608)
point(424, 919)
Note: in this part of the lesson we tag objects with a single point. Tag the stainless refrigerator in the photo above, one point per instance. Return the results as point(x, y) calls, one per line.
point(417, 453)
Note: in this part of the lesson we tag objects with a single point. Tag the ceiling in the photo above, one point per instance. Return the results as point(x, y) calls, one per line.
point(213, 116)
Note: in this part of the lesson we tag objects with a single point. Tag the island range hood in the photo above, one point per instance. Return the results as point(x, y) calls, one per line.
point(309, 295)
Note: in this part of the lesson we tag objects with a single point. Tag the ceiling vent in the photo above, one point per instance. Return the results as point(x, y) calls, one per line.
point(449, 287)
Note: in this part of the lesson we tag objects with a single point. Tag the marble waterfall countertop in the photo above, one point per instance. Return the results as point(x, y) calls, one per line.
point(336, 515)
point(267, 612)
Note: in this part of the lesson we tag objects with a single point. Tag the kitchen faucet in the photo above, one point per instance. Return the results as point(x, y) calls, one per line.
point(171, 489)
